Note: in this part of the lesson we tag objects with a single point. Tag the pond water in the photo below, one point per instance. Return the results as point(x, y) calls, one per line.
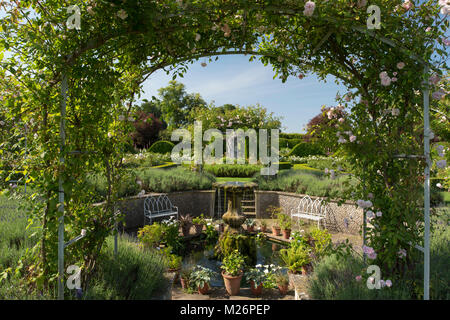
point(267, 252)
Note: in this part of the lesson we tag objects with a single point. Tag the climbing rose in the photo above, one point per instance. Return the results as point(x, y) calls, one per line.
point(434, 79)
point(439, 185)
point(370, 195)
point(342, 140)
point(309, 8)
point(358, 278)
point(362, 3)
point(372, 255)
point(352, 138)
point(394, 79)
point(446, 42)
point(90, 11)
point(438, 95)
point(341, 120)
point(407, 5)
point(400, 65)
point(379, 213)
point(402, 253)
point(385, 80)
point(122, 14)
point(370, 214)
point(368, 250)
point(388, 283)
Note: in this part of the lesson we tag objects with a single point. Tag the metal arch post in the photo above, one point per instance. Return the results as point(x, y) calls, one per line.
point(427, 133)
point(62, 135)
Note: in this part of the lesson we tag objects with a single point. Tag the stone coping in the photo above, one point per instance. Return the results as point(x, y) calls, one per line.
point(300, 195)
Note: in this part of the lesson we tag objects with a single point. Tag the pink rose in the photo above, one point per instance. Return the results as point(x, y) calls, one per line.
point(309, 8)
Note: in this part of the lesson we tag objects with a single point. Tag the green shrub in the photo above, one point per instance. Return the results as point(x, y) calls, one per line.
point(311, 183)
point(289, 143)
point(284, 165)
point(305, 149)
point(284, 135)
point(134, 274)
point(174, 179)
point(162, 147)
point(232, 170)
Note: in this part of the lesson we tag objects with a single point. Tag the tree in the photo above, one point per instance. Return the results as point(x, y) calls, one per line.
point(150, 107)
point(176, 105)
point(147, 127)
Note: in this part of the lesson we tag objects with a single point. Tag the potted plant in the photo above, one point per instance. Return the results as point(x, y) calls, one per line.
point(250, 225)
point(200, 278)
point(185, 275)
point(282, 281)
point(263, 227)
point(256, 278)
point(276, 230)
point(199, 222)
point(186, 224)
point(232, 273)
point(286, 224)
point(295, 258)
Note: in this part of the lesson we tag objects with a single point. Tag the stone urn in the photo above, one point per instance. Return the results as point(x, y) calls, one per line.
point(234, 218)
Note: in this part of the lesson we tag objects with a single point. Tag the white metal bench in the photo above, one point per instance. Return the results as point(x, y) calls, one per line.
point(158, 206)
point(312, 210)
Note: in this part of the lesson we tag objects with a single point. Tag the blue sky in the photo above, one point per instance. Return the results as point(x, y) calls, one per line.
point(235, 80)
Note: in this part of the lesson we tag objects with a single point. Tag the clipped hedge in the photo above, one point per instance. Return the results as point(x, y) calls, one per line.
point(232, 170)
point(291, 135)
point(305, 149)
point(161, 147)
point(289, 143)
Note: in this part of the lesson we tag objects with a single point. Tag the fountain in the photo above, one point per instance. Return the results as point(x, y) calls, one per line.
point(234, 218)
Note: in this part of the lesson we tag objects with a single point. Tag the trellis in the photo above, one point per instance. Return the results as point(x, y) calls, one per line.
point(426, 156)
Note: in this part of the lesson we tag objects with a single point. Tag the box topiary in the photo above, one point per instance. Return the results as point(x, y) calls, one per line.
point(161, 147)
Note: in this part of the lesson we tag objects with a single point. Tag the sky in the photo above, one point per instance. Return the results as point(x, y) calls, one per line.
point(235, 80)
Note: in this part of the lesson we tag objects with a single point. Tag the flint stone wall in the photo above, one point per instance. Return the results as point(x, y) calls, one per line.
point(346, 218)
point(193, 202)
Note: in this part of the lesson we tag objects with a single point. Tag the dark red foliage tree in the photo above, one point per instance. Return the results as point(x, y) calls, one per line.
point(147, 127)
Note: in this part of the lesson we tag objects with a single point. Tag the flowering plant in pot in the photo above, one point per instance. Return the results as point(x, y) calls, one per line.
point(282, 281)
point(285, 222)
point(186, 224)
point(250, 225)
point(232, 273)
point(200, 278)
point(199, 222)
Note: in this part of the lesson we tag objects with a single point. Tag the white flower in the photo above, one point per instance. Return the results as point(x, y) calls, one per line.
point(395, 112)
point(388, 283)
point(439, 185)
point(379, 213)
point(197, 37)
point(400, 65)
point(122, 14)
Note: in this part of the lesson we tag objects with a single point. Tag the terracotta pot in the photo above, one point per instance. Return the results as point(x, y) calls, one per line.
point(198, 228)
point(177, 273)
point(263, 228)
point(250, 229)
point(186, 230)
point(184, 283)
point(203, 290)
point(232, 283)
point(305, 270)
point(256, 290)
point(286, 233)
point(283, 289)
point(276, 231)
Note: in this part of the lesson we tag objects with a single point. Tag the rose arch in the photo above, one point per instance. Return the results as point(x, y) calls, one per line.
point(73, 84)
